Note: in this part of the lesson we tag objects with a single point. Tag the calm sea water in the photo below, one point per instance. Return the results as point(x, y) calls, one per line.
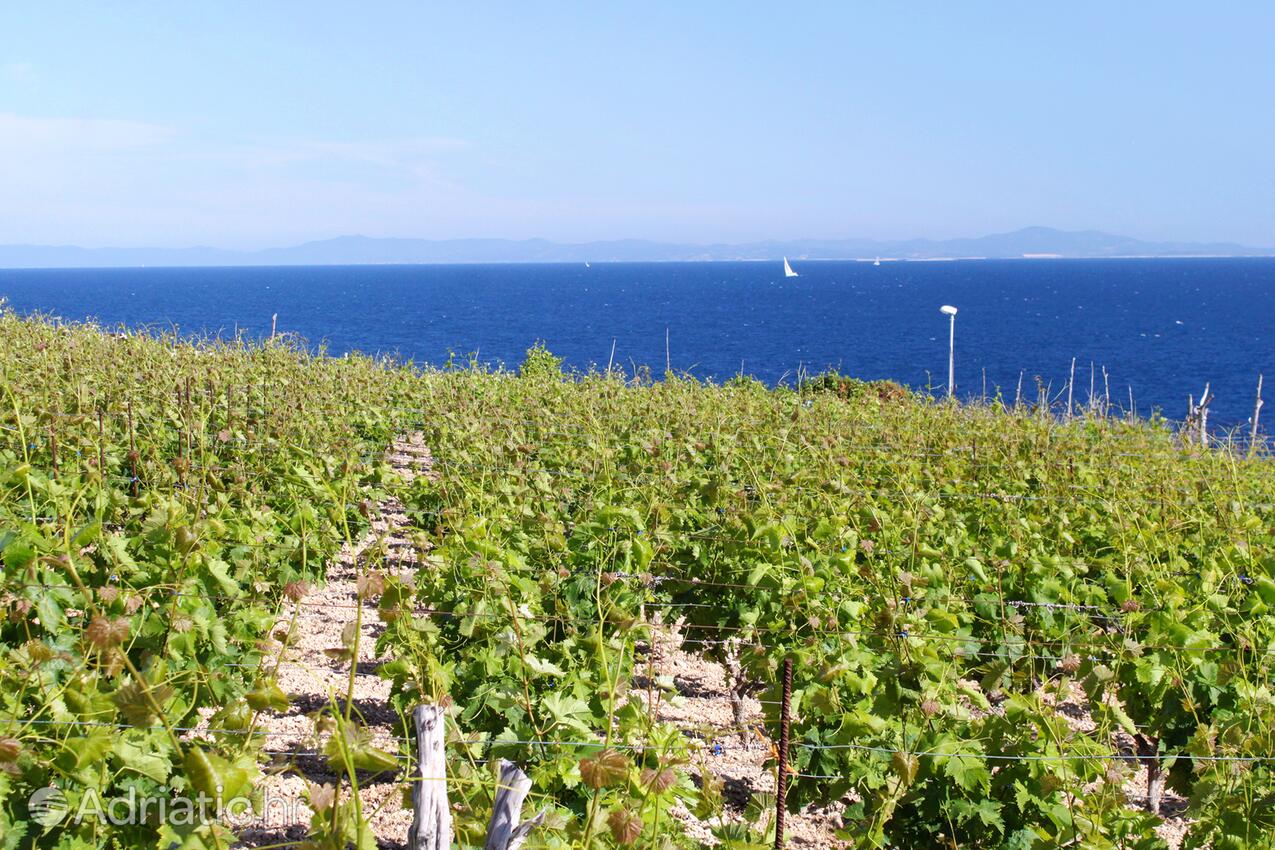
point(1162, 327)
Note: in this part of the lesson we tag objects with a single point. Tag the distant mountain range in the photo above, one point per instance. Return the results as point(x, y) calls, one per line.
point(359, 250)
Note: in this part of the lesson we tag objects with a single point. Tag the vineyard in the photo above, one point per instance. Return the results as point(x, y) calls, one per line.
point(1007, 628)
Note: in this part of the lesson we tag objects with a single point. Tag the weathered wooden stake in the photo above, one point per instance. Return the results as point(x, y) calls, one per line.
point(1197, 420)
point(781, 781)
point(1257, 410)
point(431, 815)
point(274, 318)
point(1205, 398)
point(1148, 754)
point(1071, 380)
point(611, 359)
point(738, 688)
point(504, 832)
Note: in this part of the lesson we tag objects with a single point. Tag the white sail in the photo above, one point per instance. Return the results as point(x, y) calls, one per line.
point(878, 262)
point(788, 272)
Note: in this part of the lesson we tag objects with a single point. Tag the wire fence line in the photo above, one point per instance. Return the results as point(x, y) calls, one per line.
point(967, 645)
point(1007, 640)
point(705, 748)
point(961, 749)
point(652, 580)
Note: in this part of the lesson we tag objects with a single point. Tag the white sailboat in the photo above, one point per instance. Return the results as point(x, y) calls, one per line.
point(788, 272)
point(586, 265)
point(878, 262)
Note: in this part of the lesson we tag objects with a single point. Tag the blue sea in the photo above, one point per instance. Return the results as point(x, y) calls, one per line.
point(1161, 327)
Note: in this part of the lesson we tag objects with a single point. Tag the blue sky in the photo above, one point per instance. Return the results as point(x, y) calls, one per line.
point(246, 125)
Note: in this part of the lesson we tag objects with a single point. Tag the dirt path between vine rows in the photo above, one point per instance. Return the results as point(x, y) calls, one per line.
point(313, 680)
point(694, 693)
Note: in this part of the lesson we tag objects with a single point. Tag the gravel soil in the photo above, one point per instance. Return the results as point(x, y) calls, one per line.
point(315, 681)
point(736, 754)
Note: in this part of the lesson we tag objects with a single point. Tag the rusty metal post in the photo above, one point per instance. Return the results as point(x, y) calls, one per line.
point(781, 783)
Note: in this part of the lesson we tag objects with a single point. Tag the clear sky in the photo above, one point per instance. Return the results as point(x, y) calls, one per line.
point(250, 124)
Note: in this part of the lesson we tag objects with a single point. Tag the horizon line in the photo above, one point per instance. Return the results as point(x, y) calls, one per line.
point(1035, 242)
point(422, 264)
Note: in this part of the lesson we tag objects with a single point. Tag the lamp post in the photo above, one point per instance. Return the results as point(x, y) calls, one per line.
point(949, 310)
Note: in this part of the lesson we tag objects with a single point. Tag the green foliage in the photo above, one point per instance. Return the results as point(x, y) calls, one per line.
point(540, 363)
point(156, 499)
point(851, 389)
point(996, 617)
point(947, 579)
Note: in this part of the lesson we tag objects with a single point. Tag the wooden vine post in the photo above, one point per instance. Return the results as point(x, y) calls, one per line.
point(504, 831)
point(1071, 382)
point(1257, 411)
point(1197, 420)
point(431, 814)
point(1204, 416)
point(1092, 398)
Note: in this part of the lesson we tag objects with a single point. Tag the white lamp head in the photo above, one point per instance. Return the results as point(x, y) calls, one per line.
point(948, 310)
